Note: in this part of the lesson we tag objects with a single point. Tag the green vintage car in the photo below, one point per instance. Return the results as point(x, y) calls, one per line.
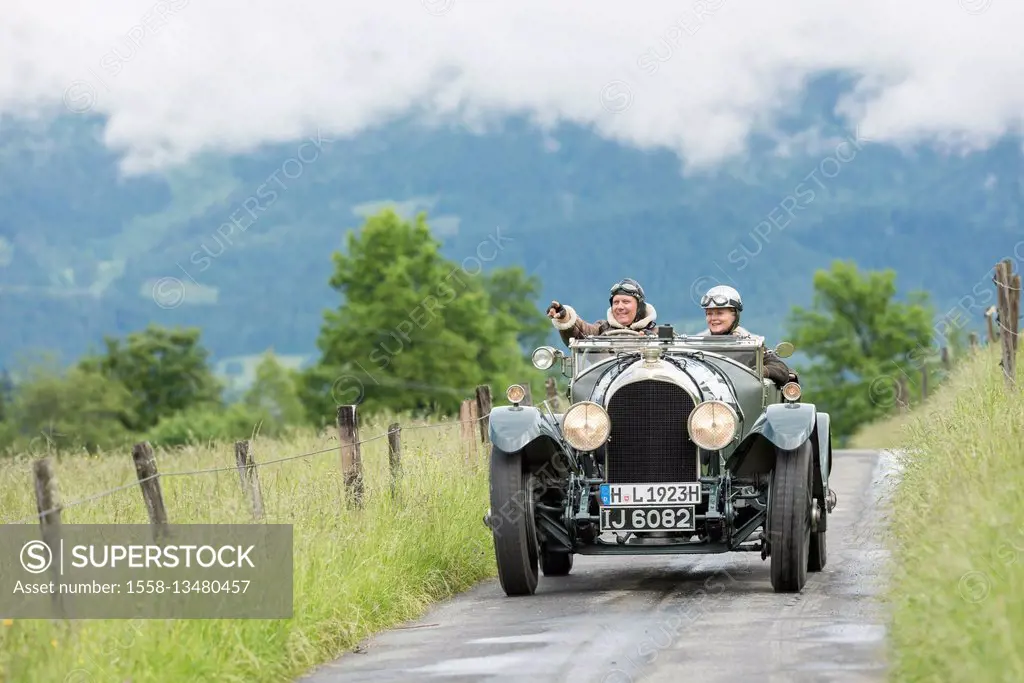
point(670, 444)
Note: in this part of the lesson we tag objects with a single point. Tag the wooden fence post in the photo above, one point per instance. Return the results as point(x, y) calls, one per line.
point(483, 410)
point(528, 396)
point(1015, 313)
point(48, 502)
point(551, 394)
point(903, 397)
point(466, 420)
point(991, 311)
point(924, 383)
point(395, 454)
point(972, 339)
point(149, 482)
point(351, 458)
point(1008, 291)
point(249, 478)
point(946, 363)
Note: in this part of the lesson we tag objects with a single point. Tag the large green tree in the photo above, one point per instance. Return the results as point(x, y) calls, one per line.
point(415, 331)
point(76, 408)
point(515, 293)
point(861, 341)
point(165, 371)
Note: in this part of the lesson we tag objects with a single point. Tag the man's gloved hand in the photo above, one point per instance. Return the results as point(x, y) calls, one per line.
point(556, 310)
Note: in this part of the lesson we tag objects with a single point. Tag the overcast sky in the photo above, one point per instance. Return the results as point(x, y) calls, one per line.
point(176, 77)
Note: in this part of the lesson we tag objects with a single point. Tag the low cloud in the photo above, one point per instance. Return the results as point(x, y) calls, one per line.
point(177, 78)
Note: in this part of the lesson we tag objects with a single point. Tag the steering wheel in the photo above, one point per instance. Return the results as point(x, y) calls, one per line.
point(617, 331)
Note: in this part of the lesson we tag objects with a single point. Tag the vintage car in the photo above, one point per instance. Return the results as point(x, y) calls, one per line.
point(669, 444)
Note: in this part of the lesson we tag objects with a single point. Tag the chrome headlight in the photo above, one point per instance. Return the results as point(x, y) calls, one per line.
point(586, 426)
point(791, 391)
point(515, 394)
point(712, 425)
point(543, 357)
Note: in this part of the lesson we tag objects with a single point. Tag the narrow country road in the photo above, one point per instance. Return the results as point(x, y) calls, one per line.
point(663, 618)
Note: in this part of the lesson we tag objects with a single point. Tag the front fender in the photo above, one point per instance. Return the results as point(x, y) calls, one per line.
point(824, 433)
point(781, 426)
point(524, 428)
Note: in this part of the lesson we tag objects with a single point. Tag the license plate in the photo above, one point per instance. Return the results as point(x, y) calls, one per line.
point(660, 518)
point(613, 495)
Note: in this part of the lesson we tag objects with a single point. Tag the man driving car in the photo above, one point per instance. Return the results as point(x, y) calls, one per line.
point(627, 309)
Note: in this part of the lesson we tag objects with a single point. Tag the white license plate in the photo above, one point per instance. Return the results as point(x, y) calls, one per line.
point(660, 518)
point(613, 495)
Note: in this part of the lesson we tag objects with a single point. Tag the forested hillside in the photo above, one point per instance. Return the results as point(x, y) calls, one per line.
point(248, 239)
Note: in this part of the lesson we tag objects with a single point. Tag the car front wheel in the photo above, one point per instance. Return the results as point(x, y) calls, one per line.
point(819, 548)
point(512, 523)
point(789, 524)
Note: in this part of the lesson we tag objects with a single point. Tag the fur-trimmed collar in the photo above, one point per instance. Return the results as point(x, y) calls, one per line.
point(571, 318)
point(639, 324)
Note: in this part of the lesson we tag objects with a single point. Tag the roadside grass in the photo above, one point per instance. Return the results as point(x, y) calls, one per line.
point(957, 529)
point(355, 571)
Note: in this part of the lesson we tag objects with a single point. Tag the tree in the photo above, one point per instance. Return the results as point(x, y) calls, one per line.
point(6, 392)
point(76, 409)
point(861, 342)
point(274, 392)
point(415, 331)
point(514, 294)
point(201, 424)
point(165, 370)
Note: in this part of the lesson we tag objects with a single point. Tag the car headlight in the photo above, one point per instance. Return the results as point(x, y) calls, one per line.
point(515, 394)
point(791, 391)
point(543, 358)
point(586, 426)
point(712, 425)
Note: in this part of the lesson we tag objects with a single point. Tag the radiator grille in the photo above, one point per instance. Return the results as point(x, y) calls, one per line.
point(649, 442)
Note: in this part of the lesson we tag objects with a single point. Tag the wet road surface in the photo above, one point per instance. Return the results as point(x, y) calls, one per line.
point(662, 618)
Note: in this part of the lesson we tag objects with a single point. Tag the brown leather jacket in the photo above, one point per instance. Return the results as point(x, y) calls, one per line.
point(571, 326)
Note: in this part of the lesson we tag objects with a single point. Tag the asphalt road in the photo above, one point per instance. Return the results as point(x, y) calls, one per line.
point(662, 618)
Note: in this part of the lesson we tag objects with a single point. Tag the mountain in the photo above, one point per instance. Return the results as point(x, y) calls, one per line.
point(247, 239)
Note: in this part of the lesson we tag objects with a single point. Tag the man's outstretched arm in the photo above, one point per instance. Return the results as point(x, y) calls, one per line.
point(569, 324)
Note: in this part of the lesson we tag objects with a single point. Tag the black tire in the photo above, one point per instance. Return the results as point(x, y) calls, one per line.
point(512, 525)
point(555, 564)
point(818, 554)
point(790, 519)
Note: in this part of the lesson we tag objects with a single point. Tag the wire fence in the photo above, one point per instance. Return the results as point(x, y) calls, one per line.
point(236, 468)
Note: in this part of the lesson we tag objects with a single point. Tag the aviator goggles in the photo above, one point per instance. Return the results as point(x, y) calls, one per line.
point(626, 287)
point(717, 300)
